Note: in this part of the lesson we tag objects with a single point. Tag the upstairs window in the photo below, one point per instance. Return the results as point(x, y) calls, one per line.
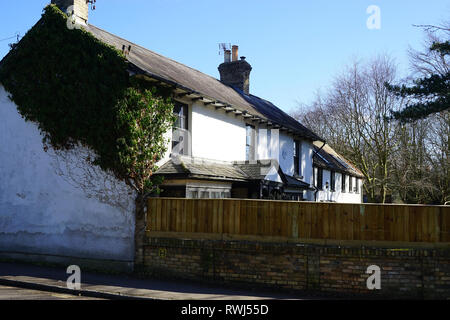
point(343, 183)
point(297, 153)
point(180, 134)
point(181, 114)
point(356, 185)
point(333, 181)
point(350, 184)
point(250, 143)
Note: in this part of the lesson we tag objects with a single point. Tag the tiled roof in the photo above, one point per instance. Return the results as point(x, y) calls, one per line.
point(187, 167)
point(329, 159)
point(197, 168)
point(256, 170)
point(293, 182)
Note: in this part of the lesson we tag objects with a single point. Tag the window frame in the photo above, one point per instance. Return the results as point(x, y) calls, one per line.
point(297, 154)
point(333, 181)
point(319, 182)
point(182, 113)
point(343, 183)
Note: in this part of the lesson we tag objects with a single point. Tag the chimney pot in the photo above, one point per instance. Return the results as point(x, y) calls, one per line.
point(227, 55)
point(235, 52)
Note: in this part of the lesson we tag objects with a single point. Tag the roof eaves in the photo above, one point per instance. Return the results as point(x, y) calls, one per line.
point(245, 113)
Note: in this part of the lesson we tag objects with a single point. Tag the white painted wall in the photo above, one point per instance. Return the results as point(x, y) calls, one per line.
point(46, 204)
point(306, 162)
point(338, 195)
point(217, 135)
point(283, 152)
point(263, 144)
point(286, 156)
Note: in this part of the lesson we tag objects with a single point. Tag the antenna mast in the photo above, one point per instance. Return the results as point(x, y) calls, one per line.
point(92, 3)
point(224, 47)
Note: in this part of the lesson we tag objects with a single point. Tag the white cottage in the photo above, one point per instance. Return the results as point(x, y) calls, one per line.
point(227, 143)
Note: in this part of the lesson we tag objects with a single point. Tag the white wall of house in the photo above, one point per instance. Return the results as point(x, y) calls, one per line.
point(47, 209)
point(217, 135)
point(338, 195)
point(306, 162)
point(286, 154)
point(263, 144)
point(276, 145)
point(214, 134)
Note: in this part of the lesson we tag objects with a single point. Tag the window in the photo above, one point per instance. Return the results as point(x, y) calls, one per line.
point(333, 181)
point(319, 184)
point(192, 194)
point(181, 113)
point(180, 134)
point(250, 143)
point(343, 183)
point(350, 184)
point(204, 194)
point(356, 185)
point(297, 153)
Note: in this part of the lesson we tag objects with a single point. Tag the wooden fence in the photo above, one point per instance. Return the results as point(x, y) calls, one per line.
point(299, 220)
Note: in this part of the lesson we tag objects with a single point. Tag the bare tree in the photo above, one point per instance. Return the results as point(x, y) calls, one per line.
point(426, 62)
point(353, 118)
point(405, 161)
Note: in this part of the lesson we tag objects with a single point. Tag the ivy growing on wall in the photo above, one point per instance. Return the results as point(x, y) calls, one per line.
point(78, 90)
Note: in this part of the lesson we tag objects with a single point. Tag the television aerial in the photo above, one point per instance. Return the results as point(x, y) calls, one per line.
point(224, 47)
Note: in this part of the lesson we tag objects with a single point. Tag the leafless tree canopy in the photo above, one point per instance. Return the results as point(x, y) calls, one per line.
point(400, 162)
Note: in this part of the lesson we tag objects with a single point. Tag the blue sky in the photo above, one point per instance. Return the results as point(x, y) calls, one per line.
point(294, 46)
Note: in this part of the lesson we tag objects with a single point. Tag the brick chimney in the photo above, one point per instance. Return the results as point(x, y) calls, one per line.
point(236, 72)
point(80, 8)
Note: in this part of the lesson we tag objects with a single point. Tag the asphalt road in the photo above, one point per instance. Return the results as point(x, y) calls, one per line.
point(10, 293)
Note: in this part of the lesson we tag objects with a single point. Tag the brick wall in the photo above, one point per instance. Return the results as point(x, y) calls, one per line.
point(308, 268)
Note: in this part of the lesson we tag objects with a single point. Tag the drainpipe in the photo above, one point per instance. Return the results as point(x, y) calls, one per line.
point(314, 176)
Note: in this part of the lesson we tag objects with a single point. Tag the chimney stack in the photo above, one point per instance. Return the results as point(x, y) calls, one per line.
point(80, 8)
point(235, 73)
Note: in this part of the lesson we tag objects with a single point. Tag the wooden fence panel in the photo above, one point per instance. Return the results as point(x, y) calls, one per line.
point(300, 220)
point(444, 225)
